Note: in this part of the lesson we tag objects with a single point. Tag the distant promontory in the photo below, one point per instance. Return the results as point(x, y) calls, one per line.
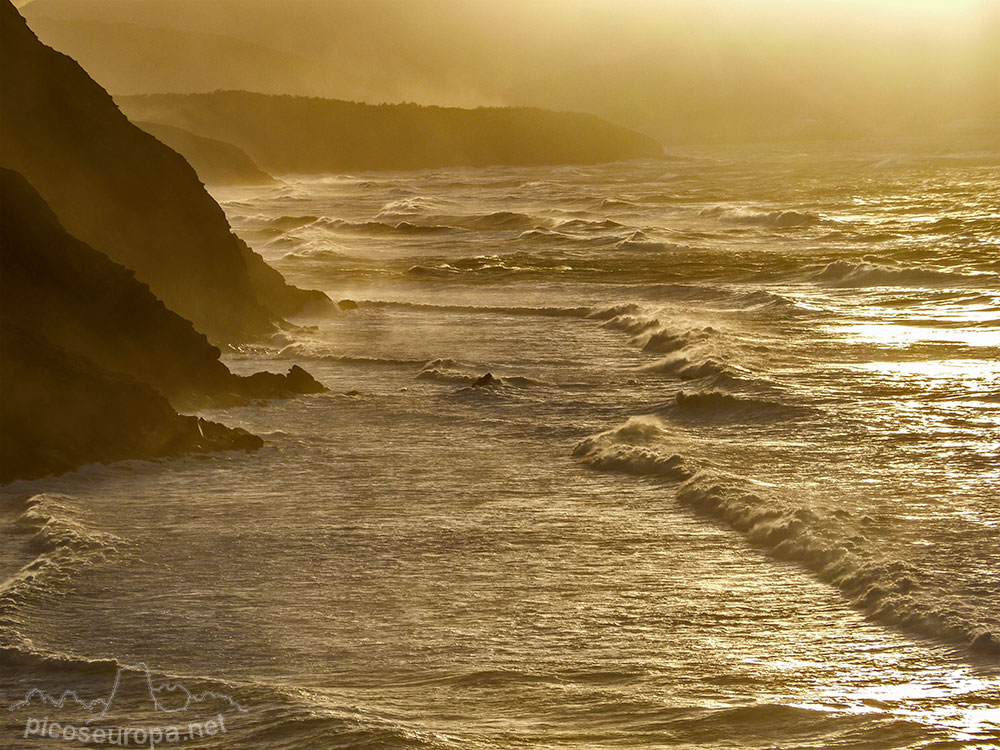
point(293, 134)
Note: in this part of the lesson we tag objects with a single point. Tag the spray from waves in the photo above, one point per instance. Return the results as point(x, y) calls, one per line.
point(382, 227)
point(758, 217)
point(426, 212)
point(690, 352)
point(320, 352)
point(663, 341)
point(406, 208)
point(837, 547)
point(64, 544)
point(846, 274)
point(545, 312)
point(491, 266)
point(690, 368)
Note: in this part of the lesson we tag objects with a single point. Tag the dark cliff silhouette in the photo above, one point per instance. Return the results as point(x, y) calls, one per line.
point(216, 162)
point(127, 195)
point(60, 411)
point(91, 360)
point(302, 134)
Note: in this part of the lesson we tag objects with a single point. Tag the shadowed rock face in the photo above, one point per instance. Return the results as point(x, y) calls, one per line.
point(127, 195)
point(59, 411)
point(91, 307)
point(216, 162)
point(298, 134)
point(91, 360)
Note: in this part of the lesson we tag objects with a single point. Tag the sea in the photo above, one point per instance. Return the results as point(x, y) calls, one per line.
point(733, 479)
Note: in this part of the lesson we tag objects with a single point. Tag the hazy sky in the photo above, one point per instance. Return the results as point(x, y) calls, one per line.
point(683, 69)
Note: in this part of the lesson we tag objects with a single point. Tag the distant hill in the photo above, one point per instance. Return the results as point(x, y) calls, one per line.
point(683, 71)
point(302, 134)
point(127, 195)
point(216, 162)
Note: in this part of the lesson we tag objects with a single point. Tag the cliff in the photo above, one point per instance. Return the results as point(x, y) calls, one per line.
point(91, 360)
point(60, 411)
point(127, 195)
point(299, 134)
point(216, 162)
point(95, 309)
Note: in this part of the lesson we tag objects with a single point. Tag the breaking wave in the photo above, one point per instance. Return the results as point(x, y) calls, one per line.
point(687, 368)
point(64, 545)
point(846, 274)
point(836, 546)
point(759, 217)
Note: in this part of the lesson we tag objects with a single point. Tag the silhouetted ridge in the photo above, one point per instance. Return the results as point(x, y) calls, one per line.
point(127, 195)
point(90, 356)
point(300, 134)
point(90, 306)
point(60, 411)
point(216, 162)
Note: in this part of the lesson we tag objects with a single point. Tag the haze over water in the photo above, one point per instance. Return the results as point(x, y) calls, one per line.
point(734, 482)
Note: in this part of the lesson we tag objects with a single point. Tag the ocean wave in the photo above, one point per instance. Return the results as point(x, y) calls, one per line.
point(544, 235)
point(24, 657)
point(405, 209)
point(488, 266)
point(545, 312)
point(663, 341)
point(836, 546)
point(65, 544)
point(633, 448)
point(949, 224)
point(847, 274)
point(588, 225)
point(323, 252)
point(614, 311)
point(383, 227)
point(618, 203)
point(708, 405)
point(286, 222)
point(649, 246)
point(53, 526)
point(688, 368)
point(760, 217)
point(509, 220)
point(304, 350)
point(309, 721)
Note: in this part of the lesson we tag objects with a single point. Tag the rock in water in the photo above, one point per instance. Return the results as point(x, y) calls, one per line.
point(484, 381)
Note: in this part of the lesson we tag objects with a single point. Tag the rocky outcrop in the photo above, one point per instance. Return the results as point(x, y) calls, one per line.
point(92, 363)
point(299, 134)
point(93, 308)
point(60, 411)
point(127, 195)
